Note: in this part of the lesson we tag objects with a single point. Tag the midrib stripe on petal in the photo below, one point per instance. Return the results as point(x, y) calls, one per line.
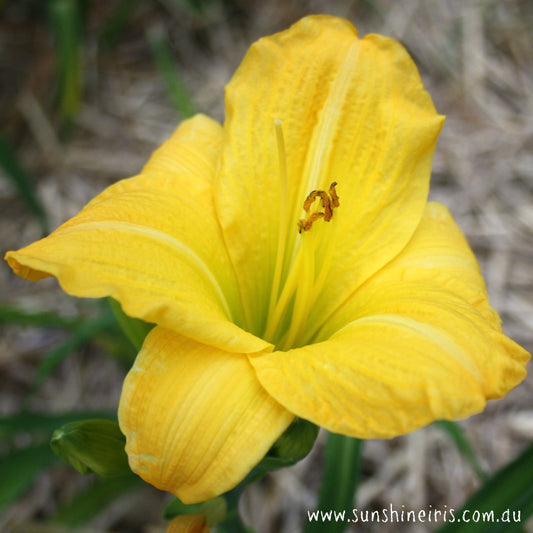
point(322, 146)
point(437, 336)
point(315, 177)
point(165, 238)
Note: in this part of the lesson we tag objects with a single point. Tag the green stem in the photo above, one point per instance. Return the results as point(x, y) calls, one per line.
point(232, 525)
point(339, 481)
point(232, 522)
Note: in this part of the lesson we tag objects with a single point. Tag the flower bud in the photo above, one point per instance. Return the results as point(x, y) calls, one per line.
point(92, 446)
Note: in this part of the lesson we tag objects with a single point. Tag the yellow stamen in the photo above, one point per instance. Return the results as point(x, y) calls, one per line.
point(287, 317)
point(304, 293)
point(283, 218)
point(298, 267)
point(289, 288)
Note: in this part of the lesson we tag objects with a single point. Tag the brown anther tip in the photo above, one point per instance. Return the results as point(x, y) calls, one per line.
point(311, 219)
point(328, 203)
point(333, 194)
point(310, 199)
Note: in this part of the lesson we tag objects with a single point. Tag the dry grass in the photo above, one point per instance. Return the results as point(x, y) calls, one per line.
point(476, 58)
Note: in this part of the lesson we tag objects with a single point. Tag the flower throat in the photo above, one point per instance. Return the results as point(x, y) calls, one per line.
point(302, 260)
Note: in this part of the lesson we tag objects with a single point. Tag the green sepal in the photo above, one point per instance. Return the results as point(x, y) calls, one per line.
point(215, 510)
point(135, 329)
point(92, 446)
point(291, 447)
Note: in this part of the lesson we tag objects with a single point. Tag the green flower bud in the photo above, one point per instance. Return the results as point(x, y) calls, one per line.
point(92, 446)
point(291, 447)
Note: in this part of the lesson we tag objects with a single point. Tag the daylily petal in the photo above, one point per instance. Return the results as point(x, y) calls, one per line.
point(189, 523)
point(353, 111)
point(438, 253)
point(153, 243)
point(423, 344)
point(196, 418)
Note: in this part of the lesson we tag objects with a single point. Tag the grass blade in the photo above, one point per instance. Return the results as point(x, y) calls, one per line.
point(45, 424)
point(17, 175)
point(82, 334)
point(90, 502)
point(116, 23)
point(458, 436)
point(65, 21)
point(176, 90)
point(509, 491)
point(14, 315)
point(198, 7)
point(19, 468)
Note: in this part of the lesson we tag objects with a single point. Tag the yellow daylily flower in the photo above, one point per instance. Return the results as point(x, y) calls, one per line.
point(292, 264)
point(191, 523)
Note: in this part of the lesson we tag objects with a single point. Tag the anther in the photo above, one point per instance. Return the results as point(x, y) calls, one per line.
point(328, 203)
point(310, 199)
point(305, 224)
point(333, 194)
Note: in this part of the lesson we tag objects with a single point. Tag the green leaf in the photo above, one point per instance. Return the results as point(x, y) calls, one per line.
point(214, 509)
point(115, 24)
point(92, 446)
point(19, 468)
point(339, 481)
point(134, 328)
point(90, 502)
point(15, 315)
point(45, 424)
point(178, 94)
point(507, 494)
point(291, 447)
point(195, 6)
point(84, 332)
point(17, 175)
point(458, 436)
point(65, 21)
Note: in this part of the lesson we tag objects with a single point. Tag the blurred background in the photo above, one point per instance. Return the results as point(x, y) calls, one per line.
point(89, 88)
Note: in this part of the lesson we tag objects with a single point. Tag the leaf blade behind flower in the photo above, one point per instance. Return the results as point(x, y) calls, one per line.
point(339, 482)
point(508, 490)
point(18, 469)
point(90, 502)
